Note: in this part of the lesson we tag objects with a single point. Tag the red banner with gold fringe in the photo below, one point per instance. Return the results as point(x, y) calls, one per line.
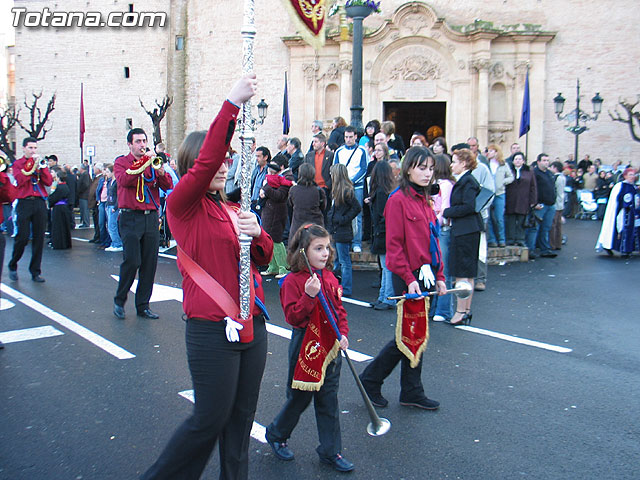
point(412, 328)
point(319, 348)
point(309, 17)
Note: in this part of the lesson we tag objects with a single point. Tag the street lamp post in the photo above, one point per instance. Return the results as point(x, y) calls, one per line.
point(358, 13)
point(580, 116)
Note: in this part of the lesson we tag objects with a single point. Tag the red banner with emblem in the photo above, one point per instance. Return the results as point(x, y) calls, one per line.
point(319, 348)
point(309, 17)
point(412, 328)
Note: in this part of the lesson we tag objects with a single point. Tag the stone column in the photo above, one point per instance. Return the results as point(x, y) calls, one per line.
point(481, 65)
point(345, 83)
point(176, 77)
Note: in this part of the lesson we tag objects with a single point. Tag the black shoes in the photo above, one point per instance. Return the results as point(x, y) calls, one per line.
point(424, 403)
point(465, 320)
point(280, 449)
point(549, 254)
point(38, 279)
point(338, 463)
point(13, 275)
point(1, 345)
point(376, 398)
point(146, 313)
point(118, 311)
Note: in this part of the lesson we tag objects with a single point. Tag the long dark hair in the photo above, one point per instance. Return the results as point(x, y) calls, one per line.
point(302, 239)
point(307, 175)
point(382, 180)
point(414, 157)
point(442, 168)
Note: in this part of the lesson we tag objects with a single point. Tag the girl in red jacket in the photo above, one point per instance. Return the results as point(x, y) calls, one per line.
point(299, 298)
point(415, 261)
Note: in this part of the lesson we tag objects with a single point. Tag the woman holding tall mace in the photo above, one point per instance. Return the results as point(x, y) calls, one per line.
point(226, 353)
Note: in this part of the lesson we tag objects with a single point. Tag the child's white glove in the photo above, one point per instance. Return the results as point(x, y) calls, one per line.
point(426, 276)
point(232, 329)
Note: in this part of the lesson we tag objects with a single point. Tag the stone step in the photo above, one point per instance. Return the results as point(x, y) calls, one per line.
point(366, 260)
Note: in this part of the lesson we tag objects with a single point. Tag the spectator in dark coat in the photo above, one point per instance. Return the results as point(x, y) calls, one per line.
point(296, 157)
point(72, 182)
point(521, 196)
point(82, 190)
point(274, 212)
point(345, 208)
point(307, 200)
point(93, 203)
point(336, 137)
point(60, 214)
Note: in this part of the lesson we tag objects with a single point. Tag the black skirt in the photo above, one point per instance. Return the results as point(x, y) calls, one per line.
point(463, 255)
point(60, 227)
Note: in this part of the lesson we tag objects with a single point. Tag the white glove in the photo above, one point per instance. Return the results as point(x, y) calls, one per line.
point(232, 329)
point(426, 276)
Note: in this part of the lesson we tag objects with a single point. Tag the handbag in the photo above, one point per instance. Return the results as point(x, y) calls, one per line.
point(483, 198)
point(531, 220)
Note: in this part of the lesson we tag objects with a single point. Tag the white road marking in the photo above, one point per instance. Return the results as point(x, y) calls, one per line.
point(69, 324)
point(6, 304)
point(80, 239)
point(257, 431)
point(161, 293)
point(360, 303)
point(511, 338)
point(167, 255)
point(29, 334)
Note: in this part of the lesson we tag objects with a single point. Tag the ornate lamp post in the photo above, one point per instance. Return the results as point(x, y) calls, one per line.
point(358, 10)
point(580, 116)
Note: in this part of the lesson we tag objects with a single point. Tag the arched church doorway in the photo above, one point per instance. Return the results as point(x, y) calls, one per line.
point(411, 117)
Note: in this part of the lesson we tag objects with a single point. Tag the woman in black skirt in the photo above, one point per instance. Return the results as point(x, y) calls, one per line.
point(60, 212)
point(466, 225)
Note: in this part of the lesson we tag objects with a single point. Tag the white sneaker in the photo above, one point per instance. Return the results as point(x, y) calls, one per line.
point(113, 249)
point(438, 318)
point(357, 249)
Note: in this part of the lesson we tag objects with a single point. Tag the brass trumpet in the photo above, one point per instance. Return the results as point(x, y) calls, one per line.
point(4, 163)
point(156, 162)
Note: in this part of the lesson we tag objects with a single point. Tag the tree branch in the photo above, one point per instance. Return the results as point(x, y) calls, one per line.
point(631, 118)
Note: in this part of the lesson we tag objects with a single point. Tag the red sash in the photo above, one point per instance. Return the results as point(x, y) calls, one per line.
point(217, 292)
point(319, 348)
point(412, 328)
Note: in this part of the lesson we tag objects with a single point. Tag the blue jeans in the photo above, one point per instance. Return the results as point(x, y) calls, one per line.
point(539, 235)
point(357, 237)
point(496, 223)
point(112, 226)
point(102, 222)
point(343, 266)
point(386, 284)
point(444, 304)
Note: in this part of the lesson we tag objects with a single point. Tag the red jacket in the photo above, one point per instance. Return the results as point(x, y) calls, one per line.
point(7, 192)
point(203, 229)
point(297, 305)
point(408, 241)
point(127, 184)
point(25, 186)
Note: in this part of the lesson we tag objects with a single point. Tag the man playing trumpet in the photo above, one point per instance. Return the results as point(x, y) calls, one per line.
point(32, 177)
point(139, 181)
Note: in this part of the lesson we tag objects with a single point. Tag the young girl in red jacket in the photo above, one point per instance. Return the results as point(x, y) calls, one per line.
point(414, 258)
point(301, 305)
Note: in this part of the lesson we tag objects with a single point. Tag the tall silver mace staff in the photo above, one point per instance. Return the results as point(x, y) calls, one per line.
point(246, 138)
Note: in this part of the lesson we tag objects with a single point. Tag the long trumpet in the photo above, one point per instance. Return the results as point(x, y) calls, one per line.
point(378, 426)
point(156, 162)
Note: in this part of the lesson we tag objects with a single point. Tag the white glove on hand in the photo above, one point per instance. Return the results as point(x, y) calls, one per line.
point(232, 329)
point(426, 276)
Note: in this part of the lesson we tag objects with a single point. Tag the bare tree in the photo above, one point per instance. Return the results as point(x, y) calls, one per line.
point(157, 114)
point(631, 116)
point(37, 126)
point(8, 120)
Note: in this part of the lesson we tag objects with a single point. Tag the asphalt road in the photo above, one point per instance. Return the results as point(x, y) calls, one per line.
point(74, 407)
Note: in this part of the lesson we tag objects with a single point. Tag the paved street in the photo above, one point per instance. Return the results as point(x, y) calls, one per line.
point(97, 398)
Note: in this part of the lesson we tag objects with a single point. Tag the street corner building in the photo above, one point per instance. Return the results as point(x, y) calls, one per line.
point(436, 67)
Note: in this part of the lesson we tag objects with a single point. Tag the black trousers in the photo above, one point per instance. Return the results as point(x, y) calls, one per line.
point(95, 215)
point(325, 402)
point(381, 367)
point(140, 241)
point(32, 217)
point(2, 244)
point(226, 381)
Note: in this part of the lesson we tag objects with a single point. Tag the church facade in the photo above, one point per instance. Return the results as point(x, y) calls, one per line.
point(429, 66)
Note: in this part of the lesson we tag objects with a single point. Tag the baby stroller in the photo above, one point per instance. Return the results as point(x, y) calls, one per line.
point(587, 205)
